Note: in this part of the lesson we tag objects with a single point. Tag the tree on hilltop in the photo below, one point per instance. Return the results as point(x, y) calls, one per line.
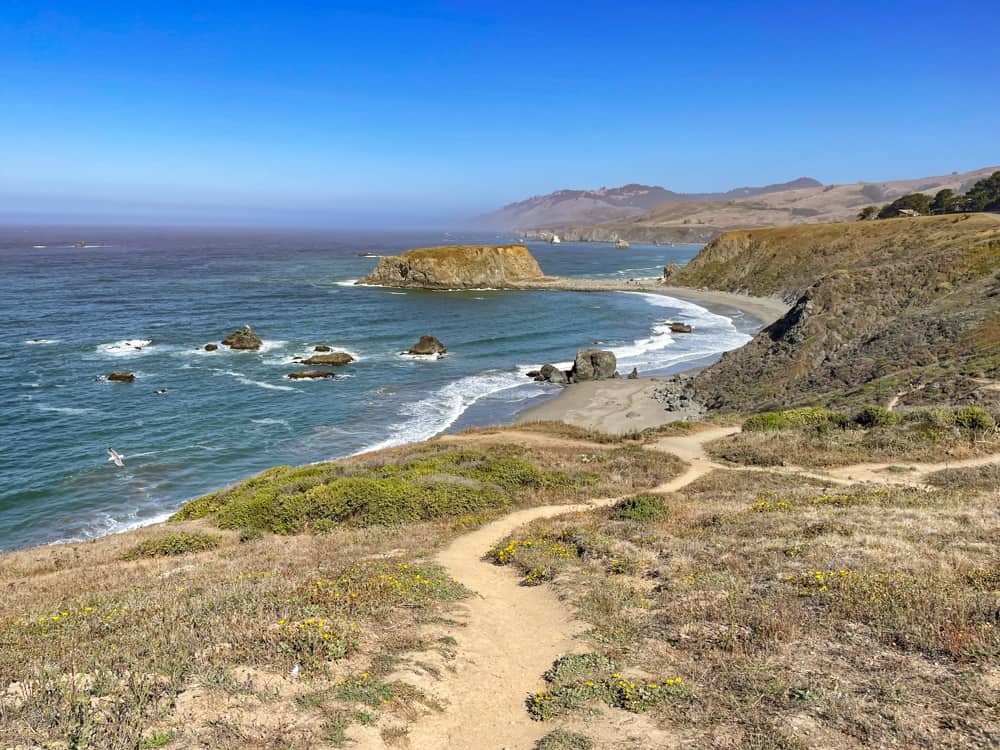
point(868, 213)
point(945, 202)
point(916, 202)
point(984, 195)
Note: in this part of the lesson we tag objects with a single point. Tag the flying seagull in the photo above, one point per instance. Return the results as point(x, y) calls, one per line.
point(116, 458)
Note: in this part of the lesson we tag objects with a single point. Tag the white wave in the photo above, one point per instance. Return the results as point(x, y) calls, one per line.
point(348, 282)
point(249, 381)
point(403, 294)
point(41, 342)
point(435, 413)
point(125, 347)
point(267, 345)
point(270, 421)
point(64, 409)
point(421, 357)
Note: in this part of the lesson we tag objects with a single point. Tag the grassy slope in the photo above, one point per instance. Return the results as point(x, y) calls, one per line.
point(899, 306)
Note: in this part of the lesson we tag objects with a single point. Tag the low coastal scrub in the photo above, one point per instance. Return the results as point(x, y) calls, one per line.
point(820, 437)
point(180, 543)
point(986, 477)
point(782, 602)
point(436, 481)
point(561, 740)
point(640, 508)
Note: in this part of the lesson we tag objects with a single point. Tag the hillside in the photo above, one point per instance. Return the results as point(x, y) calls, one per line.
point(700, 221)
point(569, 207)
point(902, 307)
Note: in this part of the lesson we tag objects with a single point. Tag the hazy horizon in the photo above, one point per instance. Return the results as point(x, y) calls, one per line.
point(397, 115)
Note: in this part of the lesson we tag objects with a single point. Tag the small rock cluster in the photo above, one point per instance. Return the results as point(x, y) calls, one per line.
point(590, 364)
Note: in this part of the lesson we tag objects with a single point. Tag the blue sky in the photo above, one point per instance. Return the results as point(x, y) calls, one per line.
point(412, 113)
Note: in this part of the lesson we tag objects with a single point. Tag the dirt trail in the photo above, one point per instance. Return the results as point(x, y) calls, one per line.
point(513, 633)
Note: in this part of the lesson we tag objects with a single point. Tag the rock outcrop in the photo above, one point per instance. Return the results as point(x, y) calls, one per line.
point(593, 364)
point(310, 374)
point(335, 359)
point(245, 339)
point(550, 374)
point(426, 346)
point(680, 328)
point(457, 267)
point(122, 377)
point(211, 347)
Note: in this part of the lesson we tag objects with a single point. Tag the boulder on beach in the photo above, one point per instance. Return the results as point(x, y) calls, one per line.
point(593, 364)
point(634, 375)
point(552, 374)
point(335, 359)
point(322, 348)
point(310, 375)
point(680, 328)
point(122, 377)
point(245, 339)
point(428, 345)
point(211, 347)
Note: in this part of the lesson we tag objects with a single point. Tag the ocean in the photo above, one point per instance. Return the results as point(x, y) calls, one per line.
point(194, 421)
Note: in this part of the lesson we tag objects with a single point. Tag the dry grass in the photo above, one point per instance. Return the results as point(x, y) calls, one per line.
point(921, 436)
point(240, 638)
point(797, 615)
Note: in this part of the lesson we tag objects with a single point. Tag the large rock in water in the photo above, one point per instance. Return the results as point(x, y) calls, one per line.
point(121, 377)
point(336, 359)
point(457, 267)
point(428, 345)
point(593, 364)
point(245, 339)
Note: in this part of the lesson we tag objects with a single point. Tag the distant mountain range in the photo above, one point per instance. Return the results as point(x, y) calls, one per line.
point(573, 207)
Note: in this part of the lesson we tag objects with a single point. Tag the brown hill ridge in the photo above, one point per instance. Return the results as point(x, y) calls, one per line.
point(457, 267)
point(906, 308)
point(700, 220)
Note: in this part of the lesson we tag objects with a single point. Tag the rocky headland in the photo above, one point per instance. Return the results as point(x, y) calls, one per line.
point(457, 267)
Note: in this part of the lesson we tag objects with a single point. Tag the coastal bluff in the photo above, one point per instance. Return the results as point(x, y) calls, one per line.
point(457, 267)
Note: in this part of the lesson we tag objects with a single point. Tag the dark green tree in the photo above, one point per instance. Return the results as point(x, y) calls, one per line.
point(868, 213)
point(945, 202)
point(984, 195)
point(914, 202)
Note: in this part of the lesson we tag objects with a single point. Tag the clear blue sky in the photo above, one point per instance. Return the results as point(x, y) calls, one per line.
point(411, 112)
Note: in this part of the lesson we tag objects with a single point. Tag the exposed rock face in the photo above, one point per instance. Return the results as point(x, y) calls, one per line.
point(428, 345)
point(245, 339)
point(680, 328)
point(122, 377)
point(457, 267)
point(322, 348)
point(211, 347)
point(335, 359)
point(670, 269)
point(593, 364)
point(310, 374)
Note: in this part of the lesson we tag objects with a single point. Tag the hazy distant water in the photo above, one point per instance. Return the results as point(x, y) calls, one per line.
point(229, 414)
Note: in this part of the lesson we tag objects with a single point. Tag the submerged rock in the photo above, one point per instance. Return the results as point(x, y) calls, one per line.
point(310, 374)
point(428, 345)
point(245, 339)
point(211, 347)
point(593, 364)
point(322, 348)
point(122, 377)
point(336, 359)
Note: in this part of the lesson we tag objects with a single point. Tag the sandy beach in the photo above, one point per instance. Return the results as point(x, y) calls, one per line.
point(624, 406)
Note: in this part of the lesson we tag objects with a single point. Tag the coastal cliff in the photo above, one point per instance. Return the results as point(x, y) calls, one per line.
point(903, 309)
point(457, 267)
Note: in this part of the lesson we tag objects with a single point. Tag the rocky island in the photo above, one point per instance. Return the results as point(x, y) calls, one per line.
point(457, 267)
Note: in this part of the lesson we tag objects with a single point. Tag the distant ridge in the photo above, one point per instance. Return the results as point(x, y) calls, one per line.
point(569, 207)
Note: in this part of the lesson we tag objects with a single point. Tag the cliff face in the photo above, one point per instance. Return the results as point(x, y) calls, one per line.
point(907, 307)
point(457, 267)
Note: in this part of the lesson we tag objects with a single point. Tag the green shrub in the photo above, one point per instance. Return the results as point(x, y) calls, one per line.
point(180, 543)
point(577, 666)
point(560, 740)
point(974, 418)
point(640, 508)
point(875, 416)
point(793, 418)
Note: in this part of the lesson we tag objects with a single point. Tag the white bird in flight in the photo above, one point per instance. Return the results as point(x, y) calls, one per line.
point(116, 458)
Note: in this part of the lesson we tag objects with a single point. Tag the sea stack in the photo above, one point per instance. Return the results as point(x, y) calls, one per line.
point(428, 345)
point(457, 267)
point(245, 339)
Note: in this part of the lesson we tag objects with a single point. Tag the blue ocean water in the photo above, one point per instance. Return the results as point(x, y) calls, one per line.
point(69, 315)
